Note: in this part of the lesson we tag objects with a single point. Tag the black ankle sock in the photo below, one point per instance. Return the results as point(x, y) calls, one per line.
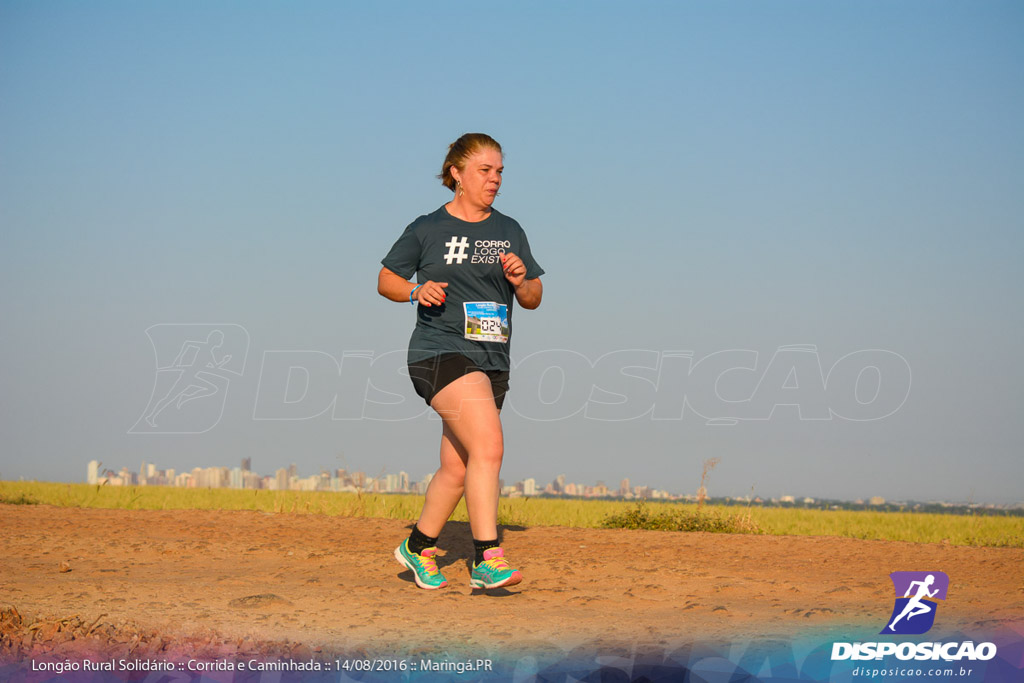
point(418, 541)
point(482, 546)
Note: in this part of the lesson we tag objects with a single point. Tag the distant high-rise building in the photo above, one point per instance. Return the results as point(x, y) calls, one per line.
point(143, 473)
point(247, 464)
point(128, 477)
point(283, 480)
point(624, 487)
point(529, 487)
point(293, 471)
point(92, 472)
point(212, 477)
point(559, 484)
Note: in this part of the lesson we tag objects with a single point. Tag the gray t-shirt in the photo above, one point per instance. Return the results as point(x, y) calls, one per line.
point(476, 318)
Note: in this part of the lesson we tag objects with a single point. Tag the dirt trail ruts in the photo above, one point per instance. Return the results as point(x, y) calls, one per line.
point(332, 582)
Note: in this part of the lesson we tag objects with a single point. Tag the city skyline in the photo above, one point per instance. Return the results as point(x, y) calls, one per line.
point(340, 479)
point(343, 480)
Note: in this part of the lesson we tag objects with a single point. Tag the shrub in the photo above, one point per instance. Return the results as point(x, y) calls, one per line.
point(640, 517)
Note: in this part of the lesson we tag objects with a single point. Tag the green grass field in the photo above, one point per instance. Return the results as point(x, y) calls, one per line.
point(995, 531)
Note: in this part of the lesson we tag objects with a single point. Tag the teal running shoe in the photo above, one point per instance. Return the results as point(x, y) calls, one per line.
point(494, 571)
point(423, 566)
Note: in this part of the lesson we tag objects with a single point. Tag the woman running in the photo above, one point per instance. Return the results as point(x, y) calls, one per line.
point(459, 351)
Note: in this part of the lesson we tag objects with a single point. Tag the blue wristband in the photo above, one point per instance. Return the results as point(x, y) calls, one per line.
point(413, 292)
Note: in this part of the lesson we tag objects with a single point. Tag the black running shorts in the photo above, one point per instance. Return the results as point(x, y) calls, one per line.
point(434, 374)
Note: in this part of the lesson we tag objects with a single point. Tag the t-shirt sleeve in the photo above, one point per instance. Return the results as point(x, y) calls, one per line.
point(533, 269)
point(404, 257)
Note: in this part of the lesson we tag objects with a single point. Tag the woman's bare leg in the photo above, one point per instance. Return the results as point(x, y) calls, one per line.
point(446, 488)
point(474, 427)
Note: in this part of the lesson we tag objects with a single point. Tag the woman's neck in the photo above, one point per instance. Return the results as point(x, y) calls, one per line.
point(471, 213)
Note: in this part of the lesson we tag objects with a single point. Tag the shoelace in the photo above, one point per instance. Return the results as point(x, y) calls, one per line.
point(496, 563)
point(427, 563)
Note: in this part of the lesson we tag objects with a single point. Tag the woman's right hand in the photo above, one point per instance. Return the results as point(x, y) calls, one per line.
point(431, 293)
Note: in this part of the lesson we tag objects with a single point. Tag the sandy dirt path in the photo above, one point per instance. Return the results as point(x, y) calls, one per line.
point(336, 585)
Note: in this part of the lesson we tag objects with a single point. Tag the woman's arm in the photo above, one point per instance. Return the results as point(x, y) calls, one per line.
point(529, 293)
point(395, 287)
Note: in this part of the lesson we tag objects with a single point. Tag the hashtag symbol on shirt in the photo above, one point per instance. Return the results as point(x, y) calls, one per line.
point(456, 249)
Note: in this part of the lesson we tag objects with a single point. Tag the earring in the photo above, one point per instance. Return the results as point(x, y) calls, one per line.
point(458, 185)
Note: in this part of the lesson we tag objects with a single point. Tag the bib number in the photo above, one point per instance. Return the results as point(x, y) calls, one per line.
point(486, 321)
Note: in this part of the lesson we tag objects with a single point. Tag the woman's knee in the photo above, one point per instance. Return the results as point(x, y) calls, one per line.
point(488, 451)
point(452, 473)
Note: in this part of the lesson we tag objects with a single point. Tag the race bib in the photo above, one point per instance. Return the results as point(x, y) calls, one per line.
point(486, 321)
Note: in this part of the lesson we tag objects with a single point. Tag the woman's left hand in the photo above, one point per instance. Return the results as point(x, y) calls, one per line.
point(514, 269)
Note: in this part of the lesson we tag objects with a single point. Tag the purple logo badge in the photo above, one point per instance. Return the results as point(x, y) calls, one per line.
point(917, 594)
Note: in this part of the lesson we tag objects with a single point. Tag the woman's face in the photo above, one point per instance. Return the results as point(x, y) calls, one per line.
point(481, 176)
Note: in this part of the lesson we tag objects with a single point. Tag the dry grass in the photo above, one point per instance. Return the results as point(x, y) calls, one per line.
point(702, 492)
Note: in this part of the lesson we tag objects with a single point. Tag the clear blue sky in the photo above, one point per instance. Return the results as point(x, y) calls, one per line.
point(720, 178)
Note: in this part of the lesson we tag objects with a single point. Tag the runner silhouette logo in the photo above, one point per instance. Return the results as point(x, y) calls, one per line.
point(917, 596)
point(194, 366)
